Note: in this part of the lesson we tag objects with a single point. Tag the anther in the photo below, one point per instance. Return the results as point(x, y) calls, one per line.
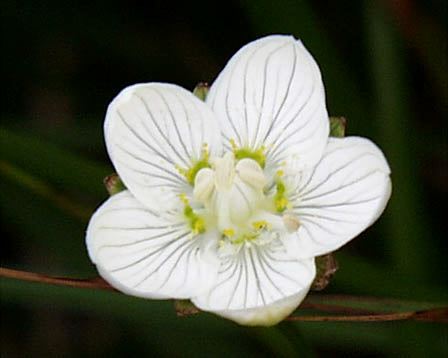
point(291, 222)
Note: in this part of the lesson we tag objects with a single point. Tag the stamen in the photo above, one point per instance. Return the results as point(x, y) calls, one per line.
point(250, 171)
point(224, 171)
point(245, 238)
point(230, 193)
point(203, 162)
point(197, 223)
point(291, 222)
point(260, 225)
point(204, 184)
point(228, 232)
point(280, 200)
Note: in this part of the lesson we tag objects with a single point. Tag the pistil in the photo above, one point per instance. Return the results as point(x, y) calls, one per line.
point(232, 193)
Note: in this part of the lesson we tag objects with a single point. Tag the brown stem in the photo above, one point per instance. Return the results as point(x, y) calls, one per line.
point(432, 315)
point(96, 283)
point(345, 314)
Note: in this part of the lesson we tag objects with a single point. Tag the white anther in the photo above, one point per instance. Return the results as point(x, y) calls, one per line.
point(204, 183)
point(291, 222)
point(224, 171)
point(250, 172)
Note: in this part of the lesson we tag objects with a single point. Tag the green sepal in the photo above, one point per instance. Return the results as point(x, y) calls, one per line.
point(326, 267)
point(113, 184)
point(185, 308)
point(337, 127)
point(201, 90)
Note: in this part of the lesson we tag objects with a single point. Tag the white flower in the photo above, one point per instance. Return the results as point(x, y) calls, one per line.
point(230, 200)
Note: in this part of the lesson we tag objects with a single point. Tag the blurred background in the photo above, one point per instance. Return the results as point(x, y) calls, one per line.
point(384, 64)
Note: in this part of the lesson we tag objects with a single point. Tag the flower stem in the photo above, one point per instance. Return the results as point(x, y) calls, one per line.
point(337, 304)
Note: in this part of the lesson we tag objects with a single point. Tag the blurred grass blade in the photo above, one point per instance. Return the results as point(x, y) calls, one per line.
point(53, 164)
point(359, 275)
point(376, 304)
point(44, 190)
point(408, 231)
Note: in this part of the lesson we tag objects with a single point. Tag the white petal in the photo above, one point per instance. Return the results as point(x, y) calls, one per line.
point(266, 315)
point(343, 195)
point(151, 131)
point(260, 285)
point(144, 254)
point(271, 93)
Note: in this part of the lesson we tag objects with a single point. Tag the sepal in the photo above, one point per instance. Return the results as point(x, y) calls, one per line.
point(185, 308)
point(201, 90)
point(326, 267)
point(338, 126)
point(113, 184)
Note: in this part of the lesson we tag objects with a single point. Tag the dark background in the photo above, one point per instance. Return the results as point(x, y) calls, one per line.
point(384, 64)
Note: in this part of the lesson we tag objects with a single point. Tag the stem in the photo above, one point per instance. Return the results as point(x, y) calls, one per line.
point(431, 315)
point(342, 312)
point(95, 283)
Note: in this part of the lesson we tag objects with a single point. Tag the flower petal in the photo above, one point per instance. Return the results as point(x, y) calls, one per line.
point(271, 94)
point(268, 315)
point(260, 285)
point(151, 131)
point(146, 254)
point(343, 195)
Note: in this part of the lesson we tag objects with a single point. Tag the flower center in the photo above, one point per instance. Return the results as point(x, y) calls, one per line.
point(232, 199)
